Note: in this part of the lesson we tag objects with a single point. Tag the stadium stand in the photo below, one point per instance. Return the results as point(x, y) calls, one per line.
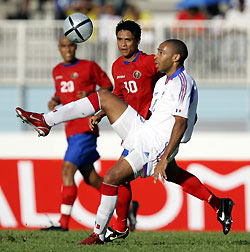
point(218, 59)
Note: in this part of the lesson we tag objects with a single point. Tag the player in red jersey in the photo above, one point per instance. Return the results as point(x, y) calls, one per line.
point(75, 79)
point(135, 75)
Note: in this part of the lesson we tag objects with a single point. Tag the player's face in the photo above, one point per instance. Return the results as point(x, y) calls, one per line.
point(164, 58)
point(67, 50)
point(127, 44)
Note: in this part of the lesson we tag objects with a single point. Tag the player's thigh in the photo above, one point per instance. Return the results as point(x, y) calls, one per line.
point(68, 168)
point(113, 106)
point(127, 124)
point(121, 172)
point(68, 171)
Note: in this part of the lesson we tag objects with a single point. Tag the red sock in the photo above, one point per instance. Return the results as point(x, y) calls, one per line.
point(122, 207)
point(95, 101)
point(108, 190)
point(68, 198)
point(192, 185)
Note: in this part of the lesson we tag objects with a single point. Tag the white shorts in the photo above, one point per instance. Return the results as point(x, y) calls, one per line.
point(144, 152)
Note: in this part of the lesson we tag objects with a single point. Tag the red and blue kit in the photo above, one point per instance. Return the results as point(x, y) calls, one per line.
point(82, 75)
point(134, 81)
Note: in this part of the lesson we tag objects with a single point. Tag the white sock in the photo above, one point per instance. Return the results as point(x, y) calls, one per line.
point(73, 110)
point(104, 214)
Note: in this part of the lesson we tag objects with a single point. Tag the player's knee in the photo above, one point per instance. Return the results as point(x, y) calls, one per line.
point(112, 177)
point(68, 170)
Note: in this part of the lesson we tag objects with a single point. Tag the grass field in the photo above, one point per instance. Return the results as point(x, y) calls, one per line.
point(36, 241)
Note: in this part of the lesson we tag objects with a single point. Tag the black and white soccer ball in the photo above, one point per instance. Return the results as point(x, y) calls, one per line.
point(78, 27)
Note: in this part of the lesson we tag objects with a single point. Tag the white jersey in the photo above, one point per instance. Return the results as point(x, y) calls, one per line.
point(146, 140)
point(176, 95)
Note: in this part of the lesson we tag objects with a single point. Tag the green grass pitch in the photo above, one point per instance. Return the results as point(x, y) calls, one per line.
point(52, 241)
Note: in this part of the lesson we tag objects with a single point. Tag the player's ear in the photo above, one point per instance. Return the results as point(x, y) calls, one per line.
point(176, 57)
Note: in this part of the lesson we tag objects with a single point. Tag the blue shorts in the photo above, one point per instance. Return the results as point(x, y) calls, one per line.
point(81, 149)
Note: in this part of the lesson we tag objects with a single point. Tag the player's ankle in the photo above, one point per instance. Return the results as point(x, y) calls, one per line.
point(120, 226)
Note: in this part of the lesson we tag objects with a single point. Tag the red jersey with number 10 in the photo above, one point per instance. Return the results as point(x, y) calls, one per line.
point(135, 81)
point(83, 75)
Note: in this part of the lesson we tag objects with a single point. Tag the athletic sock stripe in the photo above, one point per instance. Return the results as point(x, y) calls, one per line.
point(109, 190)
point(210, 197)
point(66, 209)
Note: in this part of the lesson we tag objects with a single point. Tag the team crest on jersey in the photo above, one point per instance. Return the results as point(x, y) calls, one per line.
point(137, 74)
point(74, 75)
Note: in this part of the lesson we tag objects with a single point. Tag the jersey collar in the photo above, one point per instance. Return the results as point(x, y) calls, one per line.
point(72, 64)
point(134, 60)
point(181, 69)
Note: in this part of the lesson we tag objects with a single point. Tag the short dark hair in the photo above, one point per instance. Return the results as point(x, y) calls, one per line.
point(179, 48)
point(131, 26)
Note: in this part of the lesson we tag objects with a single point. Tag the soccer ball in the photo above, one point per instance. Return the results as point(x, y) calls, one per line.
point(77, 27)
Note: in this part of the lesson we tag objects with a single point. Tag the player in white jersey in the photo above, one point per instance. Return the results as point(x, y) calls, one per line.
point(174, 95)
point(152, 144)
point(147, 139)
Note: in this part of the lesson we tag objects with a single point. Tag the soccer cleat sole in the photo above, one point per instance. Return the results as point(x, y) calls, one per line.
point(24, 120)
point(53, 228)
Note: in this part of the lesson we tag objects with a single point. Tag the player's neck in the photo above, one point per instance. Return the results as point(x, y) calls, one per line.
point(130, 59)
point(70, 62)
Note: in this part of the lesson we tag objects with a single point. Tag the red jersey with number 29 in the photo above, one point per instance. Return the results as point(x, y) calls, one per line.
point(134, 81)
point(83, 75)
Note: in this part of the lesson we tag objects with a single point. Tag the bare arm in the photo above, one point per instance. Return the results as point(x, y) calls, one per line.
point(175, 139)
point(54, 102)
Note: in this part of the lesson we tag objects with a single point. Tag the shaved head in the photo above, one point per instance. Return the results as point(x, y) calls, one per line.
point(178, 47)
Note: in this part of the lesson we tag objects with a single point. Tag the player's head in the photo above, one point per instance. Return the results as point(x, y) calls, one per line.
point(128, 34)
point(67, 49)
point(129, 25)
point(171, 55)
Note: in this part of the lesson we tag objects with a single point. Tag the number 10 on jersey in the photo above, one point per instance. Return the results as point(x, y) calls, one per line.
point(131, 86)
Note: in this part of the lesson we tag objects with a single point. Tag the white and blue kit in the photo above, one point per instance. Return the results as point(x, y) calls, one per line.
point(146, 140)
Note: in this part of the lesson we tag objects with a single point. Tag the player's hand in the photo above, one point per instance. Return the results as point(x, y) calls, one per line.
point(52, 104)
point(93, 121)
point(160, 170)
point(81, 94)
